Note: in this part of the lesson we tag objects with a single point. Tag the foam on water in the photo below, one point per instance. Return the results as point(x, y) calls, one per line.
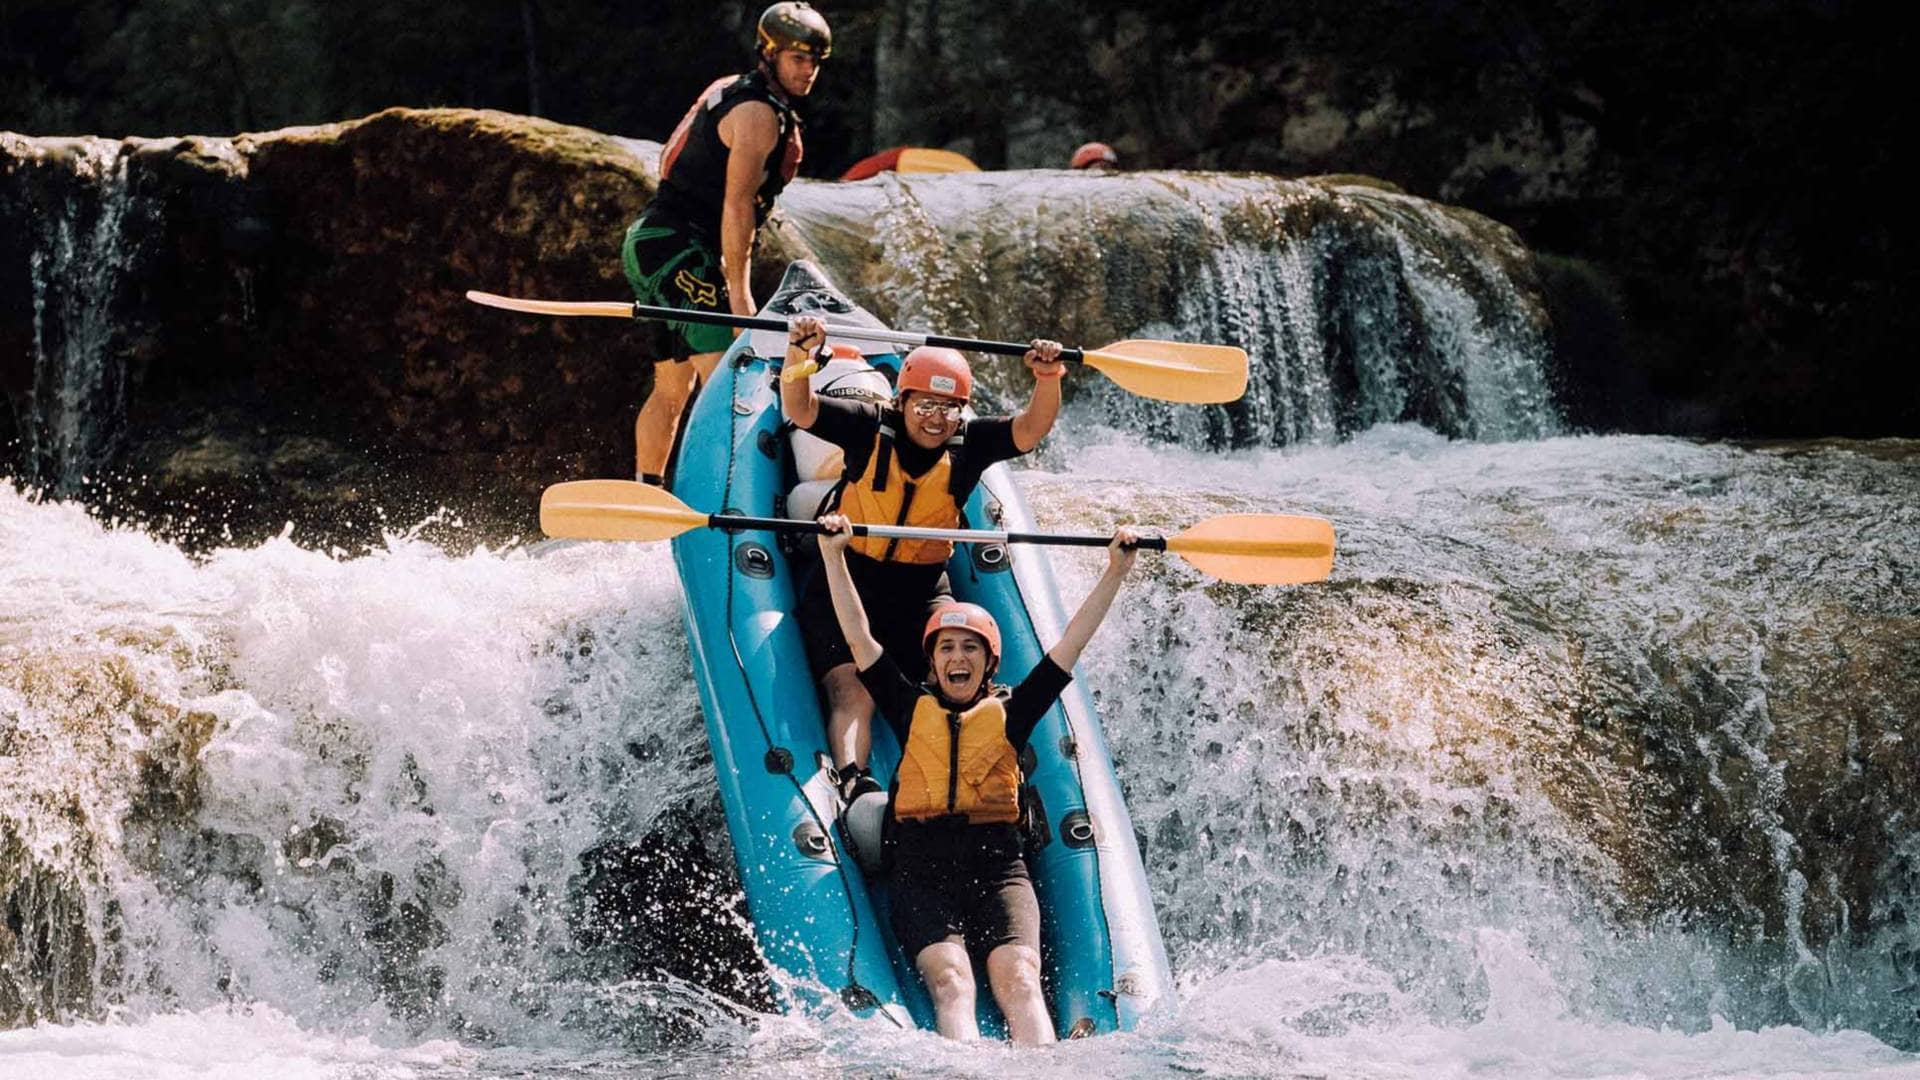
point(325, 813)
point(361, 785)
point(1332, 1016)
point(213, 1043)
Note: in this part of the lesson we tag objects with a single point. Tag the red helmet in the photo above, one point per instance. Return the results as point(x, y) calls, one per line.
point(1094, 154)
point(963, 616)
point(936, 370)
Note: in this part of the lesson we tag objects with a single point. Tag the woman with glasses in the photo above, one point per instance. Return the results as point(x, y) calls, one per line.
point(911, 463)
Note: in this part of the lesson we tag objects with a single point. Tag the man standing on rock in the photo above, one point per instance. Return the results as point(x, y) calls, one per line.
point(732, 153)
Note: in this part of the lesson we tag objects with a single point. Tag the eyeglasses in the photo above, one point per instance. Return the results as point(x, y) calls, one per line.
point(935, 407)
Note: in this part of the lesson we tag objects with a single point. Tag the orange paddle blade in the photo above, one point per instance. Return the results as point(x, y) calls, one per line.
point(615, 510)
point(1174, 370)
point(1259, 549)
point(612, 309)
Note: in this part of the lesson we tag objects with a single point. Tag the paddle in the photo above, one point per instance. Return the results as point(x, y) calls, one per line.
point(1250, 549)
point(1163, 370)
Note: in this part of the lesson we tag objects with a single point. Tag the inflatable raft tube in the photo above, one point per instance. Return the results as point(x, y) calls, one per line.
point(820, 921)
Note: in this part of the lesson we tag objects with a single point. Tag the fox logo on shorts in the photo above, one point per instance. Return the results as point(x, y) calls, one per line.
point(700, 292)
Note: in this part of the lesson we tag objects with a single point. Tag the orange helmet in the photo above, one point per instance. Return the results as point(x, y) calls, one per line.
point(959, 615)
point(936, 370)
point(1094, 154)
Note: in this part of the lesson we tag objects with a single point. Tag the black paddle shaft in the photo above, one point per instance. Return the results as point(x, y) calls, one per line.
point(743, 523)
point(1003, 348)
point(755, 322)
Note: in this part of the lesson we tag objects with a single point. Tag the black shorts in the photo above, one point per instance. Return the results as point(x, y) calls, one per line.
point(897, 597)
point(967, 884)
point(671, 265)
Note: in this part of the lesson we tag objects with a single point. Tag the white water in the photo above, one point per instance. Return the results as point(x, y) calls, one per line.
point(1356, 795)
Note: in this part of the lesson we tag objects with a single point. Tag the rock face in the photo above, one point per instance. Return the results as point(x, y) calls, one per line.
point(290, 322)
point(226, 335)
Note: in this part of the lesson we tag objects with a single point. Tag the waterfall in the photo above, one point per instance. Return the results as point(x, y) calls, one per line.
point(1477, 319)
point(1356, 306)
point(81, 261)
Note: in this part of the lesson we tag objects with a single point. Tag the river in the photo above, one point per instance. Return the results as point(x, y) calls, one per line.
point(1594, 758)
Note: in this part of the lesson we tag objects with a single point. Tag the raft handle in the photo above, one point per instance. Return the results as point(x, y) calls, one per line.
point(754, 560)
point(811, 841)
point(989, 558)
point(1077, 829)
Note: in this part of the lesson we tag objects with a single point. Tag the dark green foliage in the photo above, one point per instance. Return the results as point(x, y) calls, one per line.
point(1741, 182)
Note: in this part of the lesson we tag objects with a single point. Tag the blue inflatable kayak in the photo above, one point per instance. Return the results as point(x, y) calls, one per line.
point(819, 920)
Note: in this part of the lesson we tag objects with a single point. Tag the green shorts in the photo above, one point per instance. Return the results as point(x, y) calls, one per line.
point(669, 265)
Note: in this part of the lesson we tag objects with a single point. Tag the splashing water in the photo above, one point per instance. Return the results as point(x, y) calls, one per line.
point(289, 778)
point(1536, 785)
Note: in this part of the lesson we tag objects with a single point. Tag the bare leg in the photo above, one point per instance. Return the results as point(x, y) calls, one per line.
point(659, 420)
point(949, 977)
point(1014, 973)
point(849, 716)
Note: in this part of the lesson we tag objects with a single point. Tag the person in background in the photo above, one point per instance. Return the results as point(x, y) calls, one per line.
point(722, 167)
point(1095, 157)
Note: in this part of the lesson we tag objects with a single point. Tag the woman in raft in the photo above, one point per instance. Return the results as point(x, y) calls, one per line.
point(960, 884)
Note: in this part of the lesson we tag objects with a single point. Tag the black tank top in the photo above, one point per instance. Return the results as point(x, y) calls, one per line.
point(693, 165)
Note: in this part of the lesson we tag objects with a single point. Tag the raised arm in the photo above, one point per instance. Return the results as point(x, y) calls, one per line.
point(1032, 423)
point(805, 335)
point(1120, 556)
point(846, 602)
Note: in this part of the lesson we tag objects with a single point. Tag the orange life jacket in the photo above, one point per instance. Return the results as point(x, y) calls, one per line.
point(958, 761)
point(882, 494)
